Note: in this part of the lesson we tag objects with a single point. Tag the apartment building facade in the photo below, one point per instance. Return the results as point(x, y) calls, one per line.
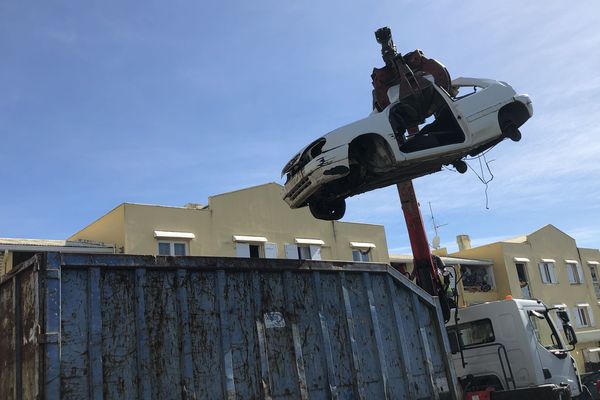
point(545, 265)
point(252, 222)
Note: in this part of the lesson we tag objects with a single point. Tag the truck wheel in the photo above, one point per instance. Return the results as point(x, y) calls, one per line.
point(328, 210)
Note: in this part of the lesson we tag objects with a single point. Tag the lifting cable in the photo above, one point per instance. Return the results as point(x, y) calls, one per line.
point(482, 175)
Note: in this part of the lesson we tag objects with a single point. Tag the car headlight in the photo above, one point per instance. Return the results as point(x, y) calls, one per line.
point(288, 167)
point(311, 151)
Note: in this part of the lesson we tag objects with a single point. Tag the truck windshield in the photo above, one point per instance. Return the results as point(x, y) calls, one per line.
point(544, 330)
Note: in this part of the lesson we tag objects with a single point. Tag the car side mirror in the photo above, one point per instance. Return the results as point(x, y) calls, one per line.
point(564, 317)
point(570, 334)
point(454, 342)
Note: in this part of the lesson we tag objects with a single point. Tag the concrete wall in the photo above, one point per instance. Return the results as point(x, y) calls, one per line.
point(489, 252)
point(256, 211)
point(109, 229)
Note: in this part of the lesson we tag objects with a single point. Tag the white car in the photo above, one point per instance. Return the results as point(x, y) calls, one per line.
point(368, 154)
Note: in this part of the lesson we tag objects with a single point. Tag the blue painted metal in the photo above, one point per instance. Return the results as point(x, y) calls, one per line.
point(141, 334)
point(137, 327)
point(51, 296)
point(94, 313)
point(380, 355)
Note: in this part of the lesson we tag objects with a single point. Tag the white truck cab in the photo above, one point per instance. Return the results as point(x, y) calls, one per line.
point(513, 344)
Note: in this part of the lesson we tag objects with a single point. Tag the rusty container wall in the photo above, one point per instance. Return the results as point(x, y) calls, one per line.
point(140, 327)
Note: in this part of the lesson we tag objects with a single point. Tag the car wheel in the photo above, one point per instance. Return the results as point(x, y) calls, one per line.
point(511, 131)
point(328, 210)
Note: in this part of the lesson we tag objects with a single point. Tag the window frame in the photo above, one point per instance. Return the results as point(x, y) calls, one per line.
point(463, 326)
point(573, 273)
point(172, 244)
point(260, 248)
point(595, 282)
point(489, 271)
point(303, 252)
point(585, 310)
point(293, 251)
point(361, 254)
point(549, 275)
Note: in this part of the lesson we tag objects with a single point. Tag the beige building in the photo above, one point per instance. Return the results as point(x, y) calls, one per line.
point(252, 222)
point(477, 288)
point(546, 265)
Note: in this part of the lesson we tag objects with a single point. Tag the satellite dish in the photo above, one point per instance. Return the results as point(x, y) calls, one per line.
point(436, 242)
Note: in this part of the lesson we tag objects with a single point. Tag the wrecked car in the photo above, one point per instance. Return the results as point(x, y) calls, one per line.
point(370, 153)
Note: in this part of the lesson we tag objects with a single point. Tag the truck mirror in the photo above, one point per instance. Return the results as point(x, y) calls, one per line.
point(537, 314)
point(570, 334)
point(564, 317)
point(453, 339)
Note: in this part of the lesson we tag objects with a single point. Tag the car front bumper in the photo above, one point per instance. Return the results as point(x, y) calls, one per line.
point(317, 173)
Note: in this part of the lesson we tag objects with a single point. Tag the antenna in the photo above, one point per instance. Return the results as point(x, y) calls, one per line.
point(435, 243)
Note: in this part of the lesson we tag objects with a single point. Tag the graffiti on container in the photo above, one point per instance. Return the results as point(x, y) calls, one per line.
point(274, 320)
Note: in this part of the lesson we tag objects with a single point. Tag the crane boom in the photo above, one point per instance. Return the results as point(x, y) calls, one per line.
point(409, 73)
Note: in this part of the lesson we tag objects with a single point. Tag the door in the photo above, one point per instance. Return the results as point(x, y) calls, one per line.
point(557, 364)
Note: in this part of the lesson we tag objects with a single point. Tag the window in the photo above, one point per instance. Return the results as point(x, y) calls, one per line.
point(477, 278)
point(303, 251)
point(583, 315)
point(254, 251)
point(523, 280)
point(595, 282)
point(476, 332)
point(547, 272)
point(254, 247)
point(361, 255)
point(172, 243)
point(172, 248)
point(248, 250)
point(361, 251)
point(574, 272)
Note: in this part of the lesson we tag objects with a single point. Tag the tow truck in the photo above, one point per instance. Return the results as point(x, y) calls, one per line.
point(498, 348)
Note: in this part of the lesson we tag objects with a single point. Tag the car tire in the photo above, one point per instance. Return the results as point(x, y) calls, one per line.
point(510, 131)
point(328, 210)
point(514, 135)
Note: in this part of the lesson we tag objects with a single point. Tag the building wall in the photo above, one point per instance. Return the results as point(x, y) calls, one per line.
point(490, 252)
point(142, 220)
point(589, 258)
point(109, 229)
point(256, 211)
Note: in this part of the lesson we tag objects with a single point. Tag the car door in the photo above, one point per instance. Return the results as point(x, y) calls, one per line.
point(444, 136)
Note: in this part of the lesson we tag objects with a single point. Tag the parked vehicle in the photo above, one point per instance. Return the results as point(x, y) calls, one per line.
point(513, 349)
point(140, 327)
point(368, 154)
point(591, 381)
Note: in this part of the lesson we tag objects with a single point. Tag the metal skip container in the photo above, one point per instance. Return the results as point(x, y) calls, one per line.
point(79, 326)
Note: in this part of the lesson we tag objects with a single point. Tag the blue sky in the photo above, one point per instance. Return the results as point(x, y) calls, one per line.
point(104, 102)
